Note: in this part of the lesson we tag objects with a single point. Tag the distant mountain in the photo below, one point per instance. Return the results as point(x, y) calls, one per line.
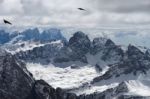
point(31, 35)
point(28, 39)
point(45, 36)
point(5, 37)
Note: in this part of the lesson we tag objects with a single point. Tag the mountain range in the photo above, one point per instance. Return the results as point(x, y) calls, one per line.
point(45, 65)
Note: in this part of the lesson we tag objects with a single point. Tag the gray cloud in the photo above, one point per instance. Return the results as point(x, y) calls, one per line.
point(65, 12)
point(123, 6)
point(1, 1)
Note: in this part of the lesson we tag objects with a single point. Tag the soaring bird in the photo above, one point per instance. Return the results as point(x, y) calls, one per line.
point(7, 22)
point(81, 9)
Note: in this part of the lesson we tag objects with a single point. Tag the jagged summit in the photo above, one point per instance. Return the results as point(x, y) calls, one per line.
point(79, 37)
point(79, 34)
point(80, 43)
point(109, 43)
point(99, 41)
point(134, 52)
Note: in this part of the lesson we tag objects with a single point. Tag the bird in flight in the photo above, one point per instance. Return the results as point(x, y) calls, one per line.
point(81, 9)
point(7, 22)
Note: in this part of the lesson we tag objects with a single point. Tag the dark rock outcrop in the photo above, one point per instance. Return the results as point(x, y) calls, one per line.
point(98, 45)
point(41, 90)
point(113, 93)
point(80, 45)
point(15, 81)
point(133, 62)
point(112, 52)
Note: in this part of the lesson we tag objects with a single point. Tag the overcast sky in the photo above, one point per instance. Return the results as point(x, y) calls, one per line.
point(65, 12)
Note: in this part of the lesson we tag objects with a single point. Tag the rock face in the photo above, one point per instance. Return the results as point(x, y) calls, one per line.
point(42, 54)
point(79, 45)
point(134, 61)
point(98, 45)
point(15, 81)
point(42, 90)
point(112, 52)
point(113, 93)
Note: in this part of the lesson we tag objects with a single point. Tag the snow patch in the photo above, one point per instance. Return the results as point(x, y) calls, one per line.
point(65, 78)
point(138, 88)
point(27, 45)
point(94, 88)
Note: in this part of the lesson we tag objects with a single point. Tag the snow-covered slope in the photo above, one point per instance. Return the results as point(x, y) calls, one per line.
point(67, 78)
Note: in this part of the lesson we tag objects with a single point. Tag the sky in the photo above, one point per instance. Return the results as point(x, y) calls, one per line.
point(64, 13)
point(124, 21)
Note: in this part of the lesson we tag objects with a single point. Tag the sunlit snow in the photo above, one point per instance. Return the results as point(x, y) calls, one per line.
point(63, 77)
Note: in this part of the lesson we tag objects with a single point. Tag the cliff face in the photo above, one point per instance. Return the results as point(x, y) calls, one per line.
point(17, 83)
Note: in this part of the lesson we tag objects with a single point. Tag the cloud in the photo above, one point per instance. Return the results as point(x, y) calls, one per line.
point(125, 33)
point(10, 7)
point(65, 12)
point(123, 6)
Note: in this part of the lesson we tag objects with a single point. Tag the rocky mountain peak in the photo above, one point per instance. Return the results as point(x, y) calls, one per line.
point(99, 41)
point(79, 45)
point(80, 42)
point(79, 38)
point(147, 55)
point(134, 52)
point(98, 44)
point(29, 31)
point(79, 34)
point(121, 88)
point(109, 42)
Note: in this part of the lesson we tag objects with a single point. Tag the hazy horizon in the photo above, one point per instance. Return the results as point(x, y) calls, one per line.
point(124, 21)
